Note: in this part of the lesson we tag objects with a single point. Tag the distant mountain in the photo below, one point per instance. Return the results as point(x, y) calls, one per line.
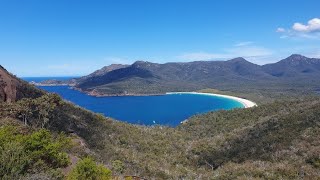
point(12, 88)
point(294, 66)
point(99, 72)
point(74, 81)
point(143, 77)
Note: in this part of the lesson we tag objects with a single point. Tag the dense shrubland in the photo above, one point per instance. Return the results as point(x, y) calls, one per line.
point(31, 149)
point(279, 140)
point(87, 169)
point(24, 152)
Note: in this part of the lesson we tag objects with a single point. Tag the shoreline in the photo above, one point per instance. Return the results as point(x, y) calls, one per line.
point(246, 103)
point(97, 94)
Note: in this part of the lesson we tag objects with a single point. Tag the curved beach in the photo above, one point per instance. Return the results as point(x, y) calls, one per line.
point(246, 103)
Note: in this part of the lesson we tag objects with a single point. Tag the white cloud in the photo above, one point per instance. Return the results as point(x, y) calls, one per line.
point(280, 30)
point(313, 53)
point(284, 37)
point(199, 56)
point(67, 69)
point(60, 66)
point(242, 49)
point(245, 43)
point(117, 60)
point(300, 35)
point(255, 54)
point(249, 51)
point(312, 26)
point(317, 55)
point(311, 30)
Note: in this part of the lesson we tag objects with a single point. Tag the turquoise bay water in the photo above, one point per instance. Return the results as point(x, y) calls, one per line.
point(167, 110)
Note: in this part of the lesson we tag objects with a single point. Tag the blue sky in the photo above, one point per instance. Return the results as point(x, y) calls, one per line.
point(76, 37)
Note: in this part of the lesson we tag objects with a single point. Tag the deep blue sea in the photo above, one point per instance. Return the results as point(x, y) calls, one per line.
point(167, 110)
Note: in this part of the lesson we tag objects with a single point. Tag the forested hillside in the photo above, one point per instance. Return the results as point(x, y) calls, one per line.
point(277, 140)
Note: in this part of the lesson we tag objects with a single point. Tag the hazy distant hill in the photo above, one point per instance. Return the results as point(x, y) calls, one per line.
point(144, 77)
point(294, 66)
point(100, 72)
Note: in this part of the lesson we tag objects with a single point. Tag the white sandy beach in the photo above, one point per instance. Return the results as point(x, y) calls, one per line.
point(246, 103)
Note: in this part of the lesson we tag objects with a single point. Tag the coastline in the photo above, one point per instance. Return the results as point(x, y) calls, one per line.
point(246, 103)
point(43, 84)
point(95, 93)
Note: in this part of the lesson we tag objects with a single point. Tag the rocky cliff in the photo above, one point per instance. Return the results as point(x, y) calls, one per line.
point(12, 88)
point(8, 86)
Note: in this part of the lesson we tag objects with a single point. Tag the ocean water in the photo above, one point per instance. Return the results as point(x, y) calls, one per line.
point(168, 110)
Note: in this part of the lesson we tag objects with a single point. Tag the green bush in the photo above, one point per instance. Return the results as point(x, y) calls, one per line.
point(87, 169)
point(41, 146)
point(13, 160)
point(30, 153)
point(118, 166)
